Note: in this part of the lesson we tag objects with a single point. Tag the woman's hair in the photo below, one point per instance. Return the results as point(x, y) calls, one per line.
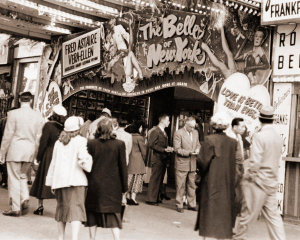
point(264, 31)
point(65, 137)
point(135, 127)
point(57, 118)
point(105, 129)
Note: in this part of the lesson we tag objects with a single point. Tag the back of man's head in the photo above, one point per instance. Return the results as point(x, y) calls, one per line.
point(122, 122)
point(26, 97)
point(162, 117)
point(91, 117)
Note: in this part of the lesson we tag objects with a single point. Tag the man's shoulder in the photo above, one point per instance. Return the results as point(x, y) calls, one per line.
point(181, 131)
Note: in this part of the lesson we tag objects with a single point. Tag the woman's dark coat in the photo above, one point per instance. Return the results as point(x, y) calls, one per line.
point(108, 177)
point(50, 134)
point(216, 163)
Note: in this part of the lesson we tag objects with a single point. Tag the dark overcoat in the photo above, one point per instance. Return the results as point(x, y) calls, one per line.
point(216, 163)
point(50, 134)
point(137, 156)
point(108, 177)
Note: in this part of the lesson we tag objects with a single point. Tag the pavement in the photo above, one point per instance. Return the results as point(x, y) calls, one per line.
point(143, 222)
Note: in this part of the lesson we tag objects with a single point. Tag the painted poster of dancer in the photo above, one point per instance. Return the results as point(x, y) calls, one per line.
point(123, 65)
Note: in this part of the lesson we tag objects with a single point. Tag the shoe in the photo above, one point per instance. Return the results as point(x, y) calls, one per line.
point(180, 210)
point(39, 211)
point(132, 202)
point(152, 203)
point(25, 207)
point(159, 201)
point(12, 213)
point(4, 185)
point(192, 209)
point(135, 203)
point(166, 197)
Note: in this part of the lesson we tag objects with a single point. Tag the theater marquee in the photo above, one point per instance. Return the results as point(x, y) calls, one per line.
point(280, 11)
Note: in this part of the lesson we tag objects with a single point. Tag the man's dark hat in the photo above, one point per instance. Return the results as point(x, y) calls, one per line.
point(26, 94)
point(267, 112)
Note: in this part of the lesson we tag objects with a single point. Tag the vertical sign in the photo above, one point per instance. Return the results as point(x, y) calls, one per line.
point(286, 50)
point(282, 104)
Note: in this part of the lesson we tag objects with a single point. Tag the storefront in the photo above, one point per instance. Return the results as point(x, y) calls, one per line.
point(284, 18)
point(156, 61)
point(286, 90)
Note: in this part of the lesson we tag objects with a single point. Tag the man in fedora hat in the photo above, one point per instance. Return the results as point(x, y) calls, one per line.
point(260, 179)
point(18, 149)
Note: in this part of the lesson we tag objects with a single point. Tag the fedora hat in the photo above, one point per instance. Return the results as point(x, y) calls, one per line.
point(267, 112)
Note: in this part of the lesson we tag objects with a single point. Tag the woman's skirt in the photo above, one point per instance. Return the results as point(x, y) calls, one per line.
point(70, 204)
point(104, 220)
point(135, 183)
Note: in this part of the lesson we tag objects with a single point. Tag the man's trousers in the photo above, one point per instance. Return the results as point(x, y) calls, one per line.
point(156, 180)
point(185, 185)
point(256, 201)
point(17, 183)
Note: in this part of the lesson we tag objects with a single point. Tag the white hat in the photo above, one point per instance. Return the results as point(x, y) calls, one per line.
point(59, 110)
point(220, 120)
point(73, 124)
point(267, 112)
point(106, 110)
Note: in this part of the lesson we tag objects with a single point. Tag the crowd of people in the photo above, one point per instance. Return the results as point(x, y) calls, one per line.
point(95, 168)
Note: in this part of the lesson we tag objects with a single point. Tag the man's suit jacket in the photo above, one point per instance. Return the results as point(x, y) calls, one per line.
point(158, 142)
point(265, 154)
point(183, 145)
point(21, 135)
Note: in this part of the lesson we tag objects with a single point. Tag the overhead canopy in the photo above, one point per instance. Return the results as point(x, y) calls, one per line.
point(45, 18)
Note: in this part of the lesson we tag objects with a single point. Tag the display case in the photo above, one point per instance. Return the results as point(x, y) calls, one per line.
point(85, 102)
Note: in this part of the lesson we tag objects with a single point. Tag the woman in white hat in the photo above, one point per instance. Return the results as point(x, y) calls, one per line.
point(67, 178)
point(50, 134)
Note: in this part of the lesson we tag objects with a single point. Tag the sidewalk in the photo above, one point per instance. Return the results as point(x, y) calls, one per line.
point(143, 222)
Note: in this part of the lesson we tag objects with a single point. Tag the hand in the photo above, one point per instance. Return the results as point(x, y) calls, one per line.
point(81, 162)
point(35, 162)
point(124, 200)
point(169, 149)
point(2, 159)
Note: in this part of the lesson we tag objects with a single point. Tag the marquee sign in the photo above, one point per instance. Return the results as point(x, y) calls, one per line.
point(280, 11)
point(81, 52)
point(145, 51)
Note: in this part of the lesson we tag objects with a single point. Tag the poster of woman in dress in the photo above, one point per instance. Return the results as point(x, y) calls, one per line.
point(248, 50)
